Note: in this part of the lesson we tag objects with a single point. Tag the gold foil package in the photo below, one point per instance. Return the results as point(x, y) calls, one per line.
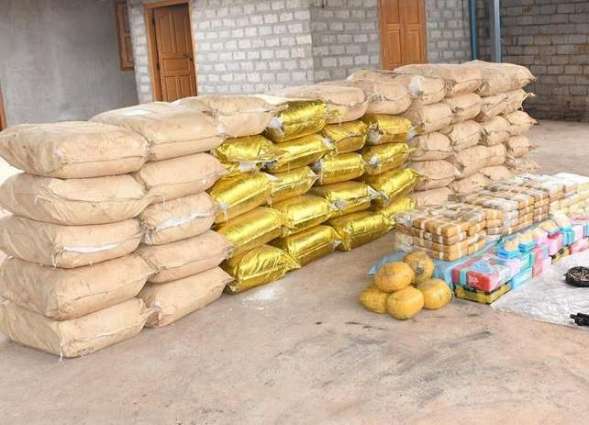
point(346, 137)
point(252, 229)
point(301, 118)
point(382, 158)
point(256, 267)
point(254, 150)
point(339, 168)
point(291, 183)
point(392, 184)
point(387, 129)
point(347, 197)
point(239, 193)
point(303, 212)
point(310, 245)
point(399, 205)
point(359, 228)
point(300, 152)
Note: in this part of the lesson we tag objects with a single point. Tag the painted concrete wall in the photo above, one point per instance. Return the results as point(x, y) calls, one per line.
point(59, 60)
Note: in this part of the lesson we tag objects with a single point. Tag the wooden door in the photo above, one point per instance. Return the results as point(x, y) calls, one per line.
point(402, 32)
point(3, 123)
point(175, 58)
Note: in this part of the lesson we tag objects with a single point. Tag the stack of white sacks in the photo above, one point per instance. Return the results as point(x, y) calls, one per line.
point(469, 124)
point(70, 283)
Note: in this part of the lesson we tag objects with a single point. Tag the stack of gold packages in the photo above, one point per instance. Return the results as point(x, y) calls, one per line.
point(448, 232)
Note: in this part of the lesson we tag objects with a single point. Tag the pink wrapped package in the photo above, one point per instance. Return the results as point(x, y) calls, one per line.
point(555, 243)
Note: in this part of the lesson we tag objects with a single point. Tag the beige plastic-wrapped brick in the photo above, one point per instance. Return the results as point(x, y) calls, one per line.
point(75, 337)
point(422, 89)
point(95, 200)
point(344, 103)
point(186, 257)
point(470, 184)
point(178, 219)
point(496, 173)
point(458, 78)
point(385, 95)
point(73, 149)
point(520, 123)
point(430, 147)
point(171, 130)
point(174, 300)
point(518, 146)
point(434, 174)
point(430, 198)
point(464, 107)
point(497, 155)
point(239, 115)
point(67, 246)
point(178, 177)
point(495, 131)
point(470, 160)
point(63, 294)
point(429, 118)
point(492, 106)
point(463, 135)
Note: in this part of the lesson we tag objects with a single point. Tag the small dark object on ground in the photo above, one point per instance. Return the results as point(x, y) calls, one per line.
point(578, 276)
point(580, 319)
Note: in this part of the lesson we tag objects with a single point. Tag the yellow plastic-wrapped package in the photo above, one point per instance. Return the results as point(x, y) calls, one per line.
point(247, 151)
point(300, 118)
point(392, 184)
point(339, 168)
point(252, 229)
point(239, 193)
point(233, 168)
point(310, 245)
point(346, 197)
point(346, 137)
point(300, 152)
point(399, 205)
point(359, 228)
point(303, 212)
point(387, 129)
point(381, 158)
point(256, 267)
point(291, 183)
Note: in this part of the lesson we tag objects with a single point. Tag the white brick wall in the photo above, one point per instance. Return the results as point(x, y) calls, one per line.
point(245, 46)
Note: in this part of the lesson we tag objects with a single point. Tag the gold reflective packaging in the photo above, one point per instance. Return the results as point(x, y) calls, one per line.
point(310, 245)
point(387, 129)
point(300, 152)
point(346, 197)
point(239, 193)
point(347, 137)
point(392, 184)
point(240, 167)
point(291, 183)
point(252, 229)
point(397, 206)
point(256, 267)
point(301, 118)
point(359, 228)
point(303, 212)
point(247, 150)
point(339, 168)
point(381, 158)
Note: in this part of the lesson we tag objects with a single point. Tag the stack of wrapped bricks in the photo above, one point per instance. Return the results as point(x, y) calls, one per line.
point(470, 128)
point(317, 178)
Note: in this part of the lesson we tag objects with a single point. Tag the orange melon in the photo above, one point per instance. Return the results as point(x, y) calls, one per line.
point(374, 299)
point(422, 265)
point(394, 276)
point(405, 304)
point(436, 293)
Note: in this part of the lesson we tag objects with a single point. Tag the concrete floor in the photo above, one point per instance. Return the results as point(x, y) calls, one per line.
point(302, 351)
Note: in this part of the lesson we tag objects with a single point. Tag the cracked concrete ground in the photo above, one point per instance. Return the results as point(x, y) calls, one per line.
point(302, 351)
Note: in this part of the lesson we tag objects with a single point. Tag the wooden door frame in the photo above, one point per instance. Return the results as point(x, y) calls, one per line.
point(423, 29)
point(3, 123)
point(152, 54)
